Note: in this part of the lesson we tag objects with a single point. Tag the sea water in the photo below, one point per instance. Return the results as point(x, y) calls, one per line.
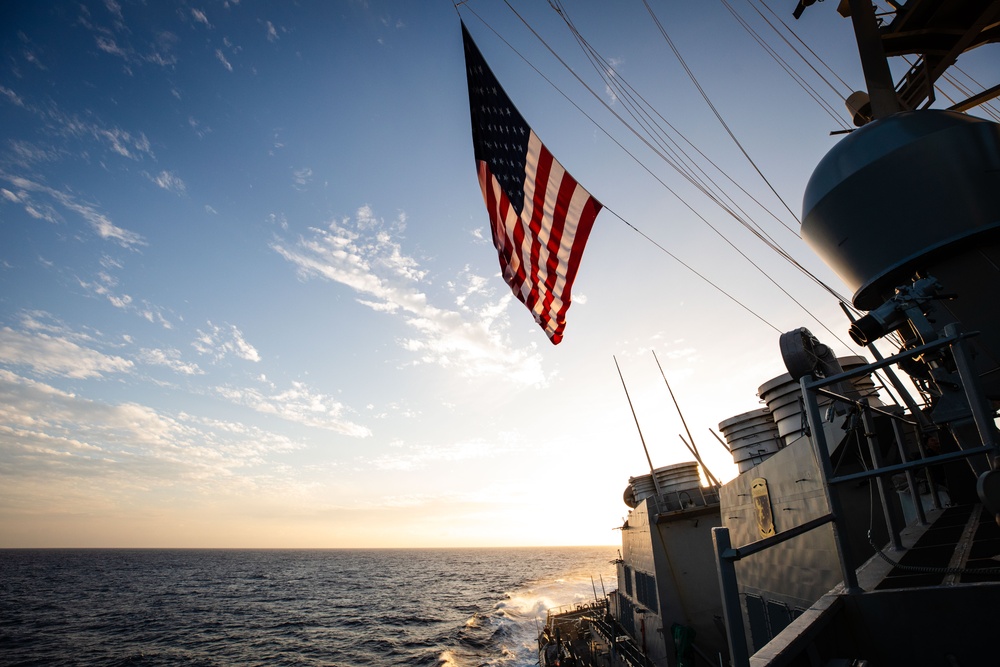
point(345, 607)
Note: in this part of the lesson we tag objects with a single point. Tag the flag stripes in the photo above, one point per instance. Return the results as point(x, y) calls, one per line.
point(539, 235)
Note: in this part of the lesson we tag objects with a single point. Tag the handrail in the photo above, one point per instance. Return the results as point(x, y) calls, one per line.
point(726, 555)
point(578, 606)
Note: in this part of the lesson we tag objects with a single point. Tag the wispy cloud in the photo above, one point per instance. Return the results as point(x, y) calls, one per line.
point(12, 97)
point(199, 17)
point(56, 356)
point(100, 452)
point(220, 342)
point(105, 286)
point(199, 128)
point(298, 404)
point(116, 39)
point(98, 222)
point(171, 359)
point(611, 72)
point(301, 178)
point(169, 182)
point(114, 9)
point(131, 145)
point(222, 59)
point(415, 457)
point(363, 255)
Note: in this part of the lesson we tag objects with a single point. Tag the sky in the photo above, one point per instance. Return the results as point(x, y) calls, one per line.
point(247, 292)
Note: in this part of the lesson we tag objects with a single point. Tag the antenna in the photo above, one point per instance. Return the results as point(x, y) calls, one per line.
point(721, 441)
point(691, 447)
point(656, 485)
point(708, 473)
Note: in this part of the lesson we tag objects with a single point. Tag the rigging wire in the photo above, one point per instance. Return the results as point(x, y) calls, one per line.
point(795, 76)
point(692, 270)
point(962, 89)
point(667, 187)
point(754, 229)
point(711, 106)
point(987, 106)
point(847, 87)
point(627, 94)
point(751, 226)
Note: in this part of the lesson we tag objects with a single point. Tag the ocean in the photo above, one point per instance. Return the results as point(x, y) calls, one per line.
point(342, 607)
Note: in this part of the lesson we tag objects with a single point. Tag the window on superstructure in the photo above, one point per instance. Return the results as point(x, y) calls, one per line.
point(645, 590)
point(628, 580)
point(626, 616)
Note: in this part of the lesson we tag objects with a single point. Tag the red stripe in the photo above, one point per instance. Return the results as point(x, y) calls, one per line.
point(523, 256)
point(492, 208)
point(535, 225)
point(566, 188)
point(587, 216)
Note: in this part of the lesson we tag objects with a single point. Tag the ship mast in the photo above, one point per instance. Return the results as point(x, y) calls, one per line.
point(878, 78)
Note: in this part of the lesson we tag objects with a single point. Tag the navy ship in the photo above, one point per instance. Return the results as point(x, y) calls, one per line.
point(862, 529)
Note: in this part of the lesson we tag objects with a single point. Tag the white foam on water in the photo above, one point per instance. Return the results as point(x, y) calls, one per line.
point(447, 659)
point(520, 618)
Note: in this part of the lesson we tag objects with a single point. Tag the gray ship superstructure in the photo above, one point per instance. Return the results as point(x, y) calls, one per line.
point(862, 529)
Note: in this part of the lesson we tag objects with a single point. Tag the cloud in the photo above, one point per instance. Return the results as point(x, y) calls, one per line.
point(611, 74)
point(169, 182)
point(104, 286)
point(199, 16)
point(115, 9)
point(52, 355)
point(222, 59)
point(272, 34)
point(200, 130)
point(56, 446)
point(414, 457)
point(108, 45)
point(298, 404)
point(12, 96)
point(170, 359)
point(219, 342)
point(133, 146)
point(301, 178)
point(98, 222)
point(364, 257)
point(28, 155)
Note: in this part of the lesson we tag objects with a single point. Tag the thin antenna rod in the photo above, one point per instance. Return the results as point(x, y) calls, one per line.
point(708, 473)
point(721, 441)
point(652, 473)
point(648, 460)
point(693, 447)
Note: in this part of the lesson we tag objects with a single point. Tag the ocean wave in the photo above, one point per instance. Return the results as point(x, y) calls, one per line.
point(460, 608)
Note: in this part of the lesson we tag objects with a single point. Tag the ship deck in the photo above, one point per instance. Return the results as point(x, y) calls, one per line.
point(589, 638)
point(927, 604)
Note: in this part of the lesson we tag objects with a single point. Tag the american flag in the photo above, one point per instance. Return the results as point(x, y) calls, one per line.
point(539, 215)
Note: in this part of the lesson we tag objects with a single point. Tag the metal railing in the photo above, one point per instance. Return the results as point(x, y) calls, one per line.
point(726, 555)
point(677, 501)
